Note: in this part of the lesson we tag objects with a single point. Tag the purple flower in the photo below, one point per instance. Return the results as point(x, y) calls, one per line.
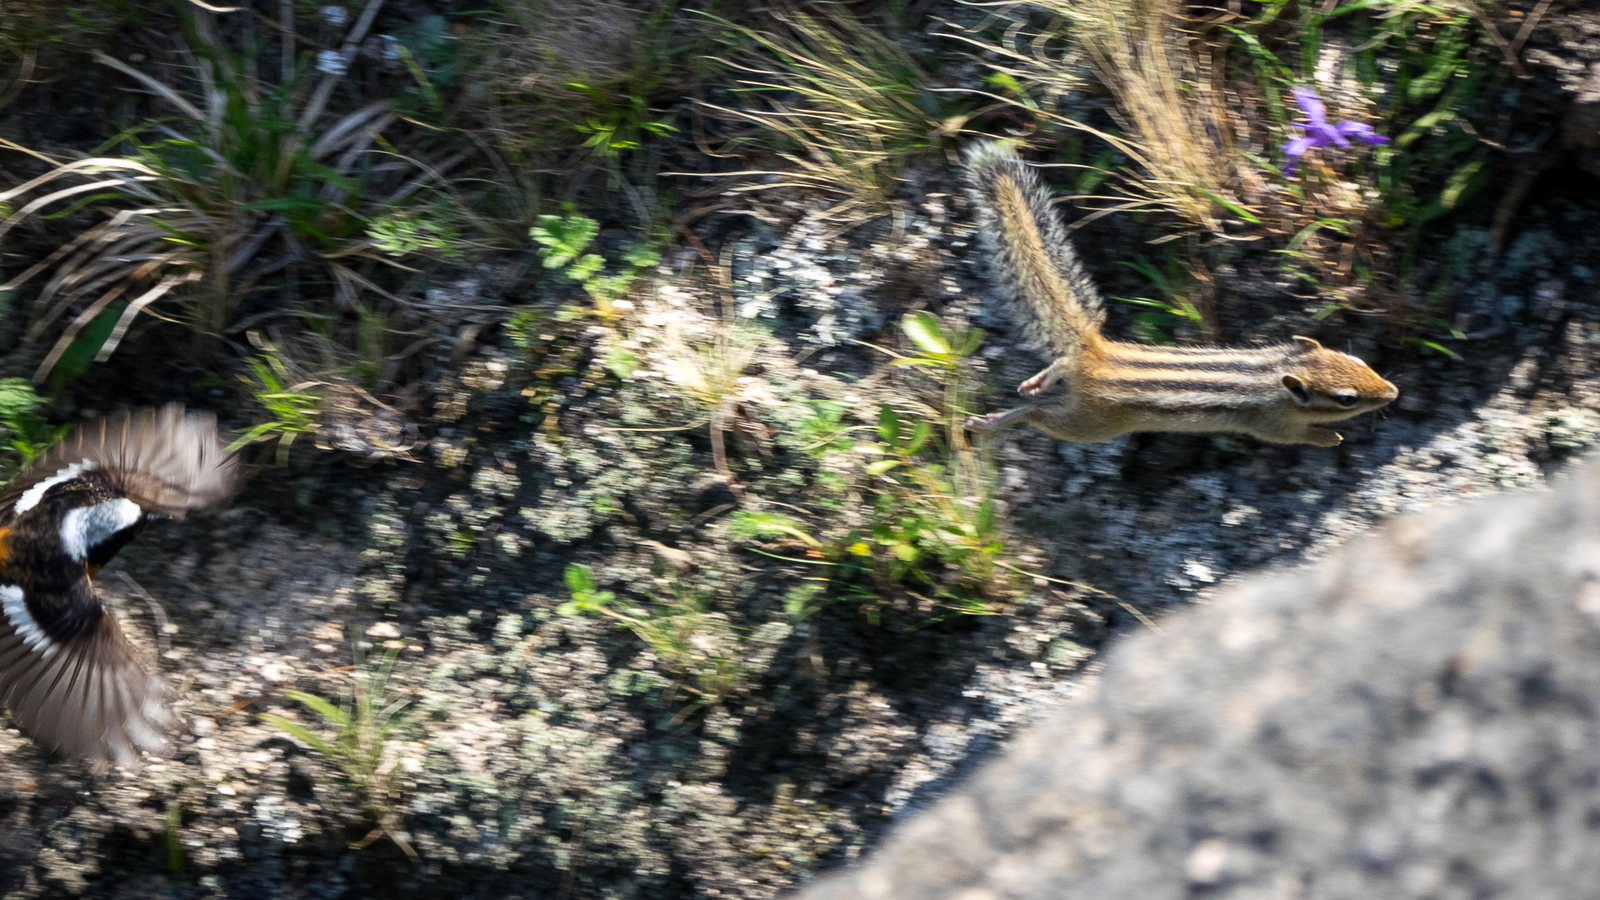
point(1319, 132)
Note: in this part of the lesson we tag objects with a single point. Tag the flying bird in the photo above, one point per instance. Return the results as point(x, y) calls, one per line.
point(68, 674)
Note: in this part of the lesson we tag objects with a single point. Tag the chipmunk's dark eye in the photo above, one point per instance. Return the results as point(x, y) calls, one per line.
point(1345, 398)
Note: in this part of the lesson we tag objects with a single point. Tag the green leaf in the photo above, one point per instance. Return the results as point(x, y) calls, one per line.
point(970, 342)
point(17, 398)
point(1459, 182)
point(1443, 63)
point(1005, 81)
point(881, 466)
point(888, 426)
point(924, 331)
point(579, 230)
point(579, 579)
point(621, 363)
point(746, 525)
point(919, 436)
point(584, 269)
point(641, 256)
point(299, 733)
point(75, 360)
point(81, 202)
point(322, 707)
point(569, 608)
point(1230, 206)
point(1435, 345)
point(1425, 123)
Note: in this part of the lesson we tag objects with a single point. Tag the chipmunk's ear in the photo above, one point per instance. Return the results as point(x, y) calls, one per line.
point(1297, 389)
point(1306, 344)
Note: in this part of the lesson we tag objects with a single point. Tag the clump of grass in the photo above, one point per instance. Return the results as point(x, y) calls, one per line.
point(309, 386)
point(708, 374)
point(699, 650)
point(1174, 127)
point(575, 88)
point(293, 404)
point(844, 107)
point(247, 179)
point(365, 722)
point(1205, 114)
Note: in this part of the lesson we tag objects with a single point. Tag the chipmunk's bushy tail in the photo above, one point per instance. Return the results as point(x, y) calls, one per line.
point(1033, 260)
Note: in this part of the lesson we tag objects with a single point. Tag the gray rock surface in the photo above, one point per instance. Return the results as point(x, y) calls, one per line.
point(1414, 716)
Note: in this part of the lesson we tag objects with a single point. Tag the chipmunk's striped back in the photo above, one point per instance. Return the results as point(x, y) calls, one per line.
point(1181, 378)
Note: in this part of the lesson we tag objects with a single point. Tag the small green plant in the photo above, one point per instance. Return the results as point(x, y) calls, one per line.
point(745, 525)
point(26, 435)
point(804, 600)
point(576, 86)
point(365, 722)
point(699, 650)
point(946, 354)
point(413, 231)
point(586, 598)
point(1153, 325)
point(923, 497)
point(823, 430)
point(565, 241)
point(293, 405)
point(621, 121)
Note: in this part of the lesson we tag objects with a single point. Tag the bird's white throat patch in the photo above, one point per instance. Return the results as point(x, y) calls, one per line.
point(16, 610)
point(86, 526)
point(31, 497)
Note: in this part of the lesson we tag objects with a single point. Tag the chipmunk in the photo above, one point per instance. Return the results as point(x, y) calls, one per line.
point(1282, 393)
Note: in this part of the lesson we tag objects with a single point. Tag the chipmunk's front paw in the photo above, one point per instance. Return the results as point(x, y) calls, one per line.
point(1036, 385)
point(984, 423)
point(1324, 437)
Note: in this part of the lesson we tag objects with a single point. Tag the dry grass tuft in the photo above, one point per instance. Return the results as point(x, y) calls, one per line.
point(841, 108)
point(1175, 124)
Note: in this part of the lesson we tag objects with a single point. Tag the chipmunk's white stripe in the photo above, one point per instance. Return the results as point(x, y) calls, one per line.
point(86, 526)
point(16, 610)
point(31, 497)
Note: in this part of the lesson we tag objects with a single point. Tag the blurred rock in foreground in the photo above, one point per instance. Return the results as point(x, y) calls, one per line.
point(1417, 715)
